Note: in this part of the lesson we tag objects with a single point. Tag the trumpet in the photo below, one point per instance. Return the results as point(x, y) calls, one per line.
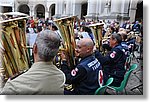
point(66, 27)
point(97, 31)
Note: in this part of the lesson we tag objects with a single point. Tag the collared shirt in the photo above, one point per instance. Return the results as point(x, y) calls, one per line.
point(41, 78)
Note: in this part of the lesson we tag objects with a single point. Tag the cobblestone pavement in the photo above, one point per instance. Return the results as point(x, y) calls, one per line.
point(135, 83)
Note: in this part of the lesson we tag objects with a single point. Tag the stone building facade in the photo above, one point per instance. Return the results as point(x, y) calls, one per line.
point(119, 10)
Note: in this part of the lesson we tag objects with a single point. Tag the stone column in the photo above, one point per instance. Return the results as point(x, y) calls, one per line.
point(13, 7)
point(77, 8)
point(99, 7)
point(124, 11)
point(91, 11)
point(46, 14)
point(32, 10)
point(125, 7)
point(16, 5)
point(59, 8)
point(115, 7)
point(69, 6)
point(132, 10)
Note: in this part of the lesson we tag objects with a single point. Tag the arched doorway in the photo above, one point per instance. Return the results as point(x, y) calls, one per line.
point(6, 9)
point(40, 11)
point(24, 9)
point(139, 11)
point(84, 10)
point(52, 10)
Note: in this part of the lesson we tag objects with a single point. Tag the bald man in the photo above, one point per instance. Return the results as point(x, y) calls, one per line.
point(85, 77)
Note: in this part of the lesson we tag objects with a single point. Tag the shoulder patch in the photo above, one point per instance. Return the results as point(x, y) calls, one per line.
point(113, 54)
point(74, 72)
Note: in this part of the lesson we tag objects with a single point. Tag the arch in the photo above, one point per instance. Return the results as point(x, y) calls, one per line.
point(24, 8)
point(52, 10)
point(84, 10)
point(40, 11)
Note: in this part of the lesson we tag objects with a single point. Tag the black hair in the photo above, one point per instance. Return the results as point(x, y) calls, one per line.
point(86, 29)
point(54, 27)
point(39, 28)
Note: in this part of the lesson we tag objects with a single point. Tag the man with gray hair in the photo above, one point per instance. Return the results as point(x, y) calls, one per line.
point(113, 62)
point(43, 77)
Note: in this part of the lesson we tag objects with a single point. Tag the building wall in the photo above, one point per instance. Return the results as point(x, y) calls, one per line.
point(6, 4)
point(119, 10)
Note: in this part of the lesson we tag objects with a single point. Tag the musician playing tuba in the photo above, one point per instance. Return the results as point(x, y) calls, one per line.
point(86, 77)
point(66, 28)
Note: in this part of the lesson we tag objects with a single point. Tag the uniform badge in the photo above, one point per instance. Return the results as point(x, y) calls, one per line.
point(113, 54)
point(100, 77)
point(76, 69)
point(123, 50)
point(74, 72)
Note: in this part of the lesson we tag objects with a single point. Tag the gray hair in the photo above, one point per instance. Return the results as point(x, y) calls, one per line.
point(118, 37)
point(48, 43)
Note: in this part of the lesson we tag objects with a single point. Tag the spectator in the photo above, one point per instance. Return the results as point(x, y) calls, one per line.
point(38, 29)
point(32, 25)
point(43, 77)
point(83, 33)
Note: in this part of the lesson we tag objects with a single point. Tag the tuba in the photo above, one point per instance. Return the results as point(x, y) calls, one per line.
point(97, 31)
point(14, 58)
point(66, 28)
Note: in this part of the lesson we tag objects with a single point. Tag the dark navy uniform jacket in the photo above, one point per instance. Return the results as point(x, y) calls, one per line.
point(125, 48)
point(85, 77)
point(113, 64)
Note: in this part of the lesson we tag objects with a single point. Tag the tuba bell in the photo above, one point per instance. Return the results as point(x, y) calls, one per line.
point(66, 28)
point(97, 31)
point(14, 58)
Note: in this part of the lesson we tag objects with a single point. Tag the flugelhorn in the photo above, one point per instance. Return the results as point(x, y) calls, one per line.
point(97, 31)
point(66, 28)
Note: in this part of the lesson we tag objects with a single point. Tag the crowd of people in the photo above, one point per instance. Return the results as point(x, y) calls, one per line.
point(92, 69)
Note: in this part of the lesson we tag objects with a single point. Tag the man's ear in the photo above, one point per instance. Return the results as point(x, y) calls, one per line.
point(89, 49)
point(35, 48)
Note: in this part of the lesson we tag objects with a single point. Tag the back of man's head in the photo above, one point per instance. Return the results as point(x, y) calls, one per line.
point(47, 45)
point(118, 37)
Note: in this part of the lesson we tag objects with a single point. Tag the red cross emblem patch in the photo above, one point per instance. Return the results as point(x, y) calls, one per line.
point(113, 54)
point(100, 78)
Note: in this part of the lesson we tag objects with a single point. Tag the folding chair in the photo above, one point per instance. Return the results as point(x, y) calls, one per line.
point(101, 90)
point(124, 82)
